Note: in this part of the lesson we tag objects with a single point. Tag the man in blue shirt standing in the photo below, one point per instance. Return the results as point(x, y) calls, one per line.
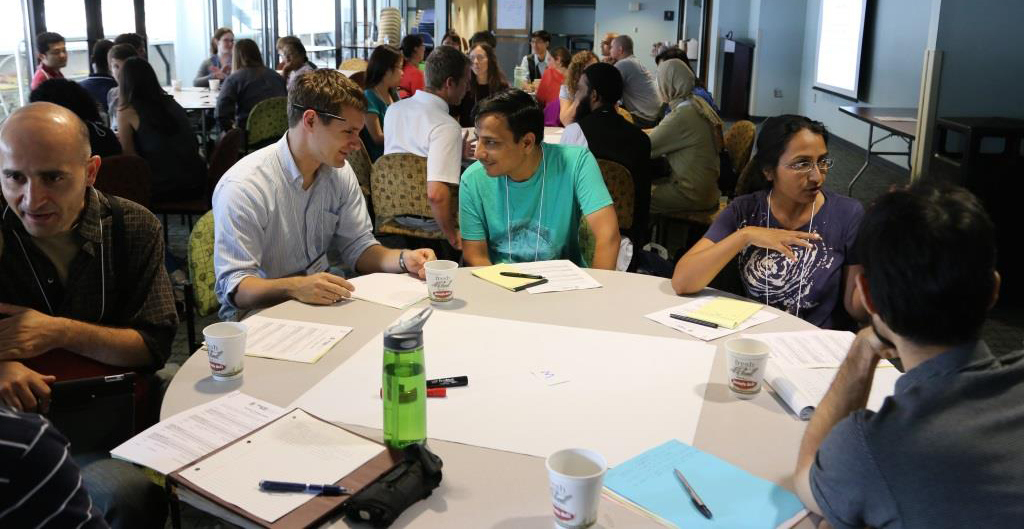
point(523, 199)
point(944, 450)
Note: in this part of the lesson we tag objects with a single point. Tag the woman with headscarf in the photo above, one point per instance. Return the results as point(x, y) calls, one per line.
point(690, 137)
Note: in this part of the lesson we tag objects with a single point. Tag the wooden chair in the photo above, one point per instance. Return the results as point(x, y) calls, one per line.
point(354, 64)
point(267, 122)
point(126, 176)
point(620, 186)
point(398, 185)
point(363, 168)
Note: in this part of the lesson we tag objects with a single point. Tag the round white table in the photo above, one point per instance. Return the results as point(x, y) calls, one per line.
point(502, 490)
point(194, 97)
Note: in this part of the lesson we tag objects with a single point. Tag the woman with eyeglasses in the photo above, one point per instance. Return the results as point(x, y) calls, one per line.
point(792, 237)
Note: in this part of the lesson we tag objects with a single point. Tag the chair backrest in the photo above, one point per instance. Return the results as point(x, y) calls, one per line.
point(267, 121)
point(353, 64)
point(398, 185)
point(620, 186)
point(362, 166)
point(224, 155)
point(200, 265)
point(127, 176)
point(738, 142)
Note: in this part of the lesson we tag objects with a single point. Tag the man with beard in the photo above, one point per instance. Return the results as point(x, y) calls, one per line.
point(609, 136)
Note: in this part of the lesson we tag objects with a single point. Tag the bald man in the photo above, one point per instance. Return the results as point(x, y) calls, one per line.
point(79, 271)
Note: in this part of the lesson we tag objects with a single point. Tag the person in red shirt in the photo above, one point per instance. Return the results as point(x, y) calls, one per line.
point(554, 76)
point(52, 54)
point(412, 77)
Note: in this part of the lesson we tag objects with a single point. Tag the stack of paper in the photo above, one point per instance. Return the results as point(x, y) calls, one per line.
point(735, 497)
point(191, 434)
point(804, 363)
point(296, 341)
point(732, 309)
point(398, 291)
point(561, 275)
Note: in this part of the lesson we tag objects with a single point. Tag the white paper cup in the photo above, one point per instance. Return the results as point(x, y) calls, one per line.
point(225, 345)
point(441, 280)
point(214, 85)
point(576, 477)
point(746, 359)
point(176, 85)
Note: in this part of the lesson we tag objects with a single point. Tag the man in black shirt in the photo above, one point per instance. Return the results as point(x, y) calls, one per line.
point(608, 135)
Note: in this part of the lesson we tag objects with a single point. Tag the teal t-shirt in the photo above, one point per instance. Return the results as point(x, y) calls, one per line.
point(528, 230)
point(374, 105)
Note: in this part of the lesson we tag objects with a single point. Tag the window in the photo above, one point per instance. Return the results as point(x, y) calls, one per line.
point(118, 17)
point(245, 18)
point(313, 23)
point(14, 63)
point(67, 17)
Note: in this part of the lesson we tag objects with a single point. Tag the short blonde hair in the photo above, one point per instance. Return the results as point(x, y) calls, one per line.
point(323, 90)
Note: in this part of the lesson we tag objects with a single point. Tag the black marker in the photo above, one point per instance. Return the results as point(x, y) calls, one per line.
point(680, 317)
point(448, 382)
point(523, 276)
point(528, 285)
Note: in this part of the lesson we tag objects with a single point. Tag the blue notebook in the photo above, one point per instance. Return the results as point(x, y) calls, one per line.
point(736, 498)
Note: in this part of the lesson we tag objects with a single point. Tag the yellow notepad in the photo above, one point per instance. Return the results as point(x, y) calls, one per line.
point(726, 312)
point(493, 274)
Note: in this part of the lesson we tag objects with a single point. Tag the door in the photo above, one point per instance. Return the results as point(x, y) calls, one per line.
point(512, 21)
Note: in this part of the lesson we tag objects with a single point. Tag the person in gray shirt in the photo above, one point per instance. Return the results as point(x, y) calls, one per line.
point(250, 83)
point(945, 449)
point(640, 93)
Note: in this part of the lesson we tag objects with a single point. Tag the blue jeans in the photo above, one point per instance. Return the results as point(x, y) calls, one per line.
point(126, 497)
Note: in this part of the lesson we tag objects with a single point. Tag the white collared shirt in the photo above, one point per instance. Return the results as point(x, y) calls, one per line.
point(266, 225)
point(421, 125)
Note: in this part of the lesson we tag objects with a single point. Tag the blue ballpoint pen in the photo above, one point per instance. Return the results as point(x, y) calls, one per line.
point(284, 486)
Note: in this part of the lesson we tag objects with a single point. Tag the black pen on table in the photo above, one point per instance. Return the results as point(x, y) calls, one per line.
point(697, 502)
point(689, 319)
point(521, 275)
point(285, 486)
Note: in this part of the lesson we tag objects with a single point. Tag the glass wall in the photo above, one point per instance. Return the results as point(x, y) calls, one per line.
point(313, 23)
point(14, 62)
point(245, 18)
point(118, 16)
point(67, 17)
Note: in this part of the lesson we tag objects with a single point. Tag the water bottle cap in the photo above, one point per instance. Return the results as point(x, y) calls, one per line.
point(404, 341)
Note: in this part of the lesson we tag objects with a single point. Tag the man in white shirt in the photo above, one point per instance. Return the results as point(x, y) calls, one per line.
point(640, 92)
point(421, 125)
point(535, 63)
point(279, 211)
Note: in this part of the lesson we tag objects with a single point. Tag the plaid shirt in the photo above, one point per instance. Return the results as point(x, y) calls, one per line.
point(142, 300)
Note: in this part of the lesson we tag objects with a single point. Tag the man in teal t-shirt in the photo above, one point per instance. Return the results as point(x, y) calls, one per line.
point(523, 199)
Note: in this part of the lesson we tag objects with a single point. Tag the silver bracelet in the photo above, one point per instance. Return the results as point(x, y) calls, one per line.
point(401, 262)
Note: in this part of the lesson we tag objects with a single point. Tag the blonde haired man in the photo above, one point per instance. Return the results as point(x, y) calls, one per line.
point(279, 212)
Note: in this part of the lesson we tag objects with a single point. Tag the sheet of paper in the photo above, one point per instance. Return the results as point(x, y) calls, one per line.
point(802, 388)
point(292, 340)
point(700, 331)
point(506, 407)
point(191, 434)
point(493, 274)
point(562, 275)
point(726, 312)
point(820, 348)
point(298, 448)
point(735, 497)
point(398, 291)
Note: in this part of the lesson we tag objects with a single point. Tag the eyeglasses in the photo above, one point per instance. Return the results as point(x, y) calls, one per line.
point(823, 164)
point(321, 112)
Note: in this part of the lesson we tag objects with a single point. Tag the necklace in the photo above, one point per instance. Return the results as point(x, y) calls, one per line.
point(810, 229)
point(540, 218)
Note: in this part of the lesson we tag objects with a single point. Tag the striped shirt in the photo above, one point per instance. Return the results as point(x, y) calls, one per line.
point(40, 485)
point(266, 225)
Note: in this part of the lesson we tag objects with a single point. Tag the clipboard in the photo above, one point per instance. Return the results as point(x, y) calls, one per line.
point(317, 510)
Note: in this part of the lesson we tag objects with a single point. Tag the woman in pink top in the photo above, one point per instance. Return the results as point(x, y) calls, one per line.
point(412, 77)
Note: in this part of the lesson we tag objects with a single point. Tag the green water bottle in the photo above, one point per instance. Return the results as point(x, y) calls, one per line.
point(404, 383)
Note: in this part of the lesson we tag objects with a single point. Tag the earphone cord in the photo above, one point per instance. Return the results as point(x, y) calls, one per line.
point(103, 272)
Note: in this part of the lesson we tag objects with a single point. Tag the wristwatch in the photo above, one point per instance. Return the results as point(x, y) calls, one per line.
point(401, 262)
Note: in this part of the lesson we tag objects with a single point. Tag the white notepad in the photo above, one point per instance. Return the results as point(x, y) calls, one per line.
point(292, 340)
point(398, 291)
